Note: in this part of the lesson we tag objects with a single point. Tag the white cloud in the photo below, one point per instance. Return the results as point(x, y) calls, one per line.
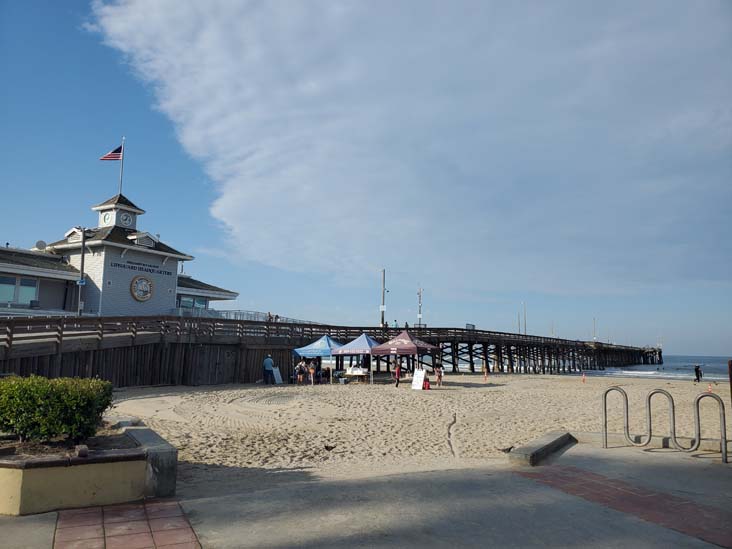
point(505, 146)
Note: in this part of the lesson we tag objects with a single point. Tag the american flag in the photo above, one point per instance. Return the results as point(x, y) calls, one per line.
point(116, 154)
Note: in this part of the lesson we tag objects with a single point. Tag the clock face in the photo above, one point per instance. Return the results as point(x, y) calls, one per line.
point(126, 219)
point(141, 288)
point(106, 217)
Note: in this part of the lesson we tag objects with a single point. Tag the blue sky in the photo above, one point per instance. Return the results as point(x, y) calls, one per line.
point(574, 156)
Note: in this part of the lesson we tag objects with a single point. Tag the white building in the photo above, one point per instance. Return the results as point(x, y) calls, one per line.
point(126, 272)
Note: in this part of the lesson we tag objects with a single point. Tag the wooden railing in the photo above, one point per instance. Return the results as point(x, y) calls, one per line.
point(18, 331)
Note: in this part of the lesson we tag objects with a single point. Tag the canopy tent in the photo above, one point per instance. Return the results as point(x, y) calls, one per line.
point(362, 345)
point(320, 348)
point(403, 344)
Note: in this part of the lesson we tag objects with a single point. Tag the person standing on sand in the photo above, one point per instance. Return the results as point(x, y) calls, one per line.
point(698, 374)
point(438, 373)
point(397, 372)
point(268, 370)
point(301, 366)
point(311, 371)
point(485, 372)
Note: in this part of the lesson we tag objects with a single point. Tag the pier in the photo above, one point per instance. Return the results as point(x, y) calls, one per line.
point(167, 350)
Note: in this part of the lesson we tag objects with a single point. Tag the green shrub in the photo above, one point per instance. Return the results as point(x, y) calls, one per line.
point(38, 408)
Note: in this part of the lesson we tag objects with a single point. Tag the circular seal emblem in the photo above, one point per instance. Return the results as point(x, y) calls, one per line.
point(141, 288)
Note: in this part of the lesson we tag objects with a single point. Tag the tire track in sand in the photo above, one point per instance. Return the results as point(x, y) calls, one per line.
point(449, 434)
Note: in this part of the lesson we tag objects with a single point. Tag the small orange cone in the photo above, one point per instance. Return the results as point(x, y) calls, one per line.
point(709, 388)
point(584, 377)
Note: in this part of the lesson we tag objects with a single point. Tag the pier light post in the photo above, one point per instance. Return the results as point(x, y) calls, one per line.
point(82, 281)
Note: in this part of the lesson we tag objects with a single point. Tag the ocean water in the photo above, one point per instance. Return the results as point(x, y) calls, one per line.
point(714, 368)
point(679, 367)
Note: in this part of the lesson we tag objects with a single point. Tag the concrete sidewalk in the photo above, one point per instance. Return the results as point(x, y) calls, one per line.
point(34, 531)
point(587, 497)
point(493, 506)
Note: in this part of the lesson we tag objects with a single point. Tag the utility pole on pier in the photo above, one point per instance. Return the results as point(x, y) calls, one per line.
point(524, 304)
point(383, 296)
point(419, 310)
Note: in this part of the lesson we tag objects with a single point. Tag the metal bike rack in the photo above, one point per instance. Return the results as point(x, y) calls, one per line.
point(672, 421)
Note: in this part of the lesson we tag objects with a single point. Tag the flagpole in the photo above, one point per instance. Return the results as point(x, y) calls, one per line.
point(122, 165)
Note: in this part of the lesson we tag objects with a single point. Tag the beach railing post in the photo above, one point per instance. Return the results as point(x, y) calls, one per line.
point(697, 425)
point(729, 368)
point(626, 418)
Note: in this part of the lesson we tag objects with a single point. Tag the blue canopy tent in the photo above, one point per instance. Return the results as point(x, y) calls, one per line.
point(323, 347)
point(320, 348)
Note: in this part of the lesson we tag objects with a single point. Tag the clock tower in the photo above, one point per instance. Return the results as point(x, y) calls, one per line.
point(114, 269)
point(118, 211)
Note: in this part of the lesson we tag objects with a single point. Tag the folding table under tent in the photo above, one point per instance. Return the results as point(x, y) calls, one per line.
point(405, 344)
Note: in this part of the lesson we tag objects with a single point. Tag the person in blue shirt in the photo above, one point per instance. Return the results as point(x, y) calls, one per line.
point(268, 370)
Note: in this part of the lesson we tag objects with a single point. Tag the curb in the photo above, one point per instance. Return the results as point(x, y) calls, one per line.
point(541, 448)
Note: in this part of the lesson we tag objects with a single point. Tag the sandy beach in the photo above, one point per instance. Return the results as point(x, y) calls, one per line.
point(334, 430)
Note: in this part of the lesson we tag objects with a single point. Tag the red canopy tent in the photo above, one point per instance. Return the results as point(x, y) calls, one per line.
point(404, 344)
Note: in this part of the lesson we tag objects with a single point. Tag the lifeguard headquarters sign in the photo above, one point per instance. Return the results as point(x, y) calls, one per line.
point(140, 267)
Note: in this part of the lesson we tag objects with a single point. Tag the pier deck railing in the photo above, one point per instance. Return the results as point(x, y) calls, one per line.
point(171, 350)
point(27, 332)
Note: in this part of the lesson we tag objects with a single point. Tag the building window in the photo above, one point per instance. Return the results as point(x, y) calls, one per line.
point(7, 289)
point(190, 302)
point(18, 290)
point(185, 302)
point(27, 290)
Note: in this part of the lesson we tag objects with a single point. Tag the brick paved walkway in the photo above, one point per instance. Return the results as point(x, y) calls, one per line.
point(160, 523)
point(710, 524)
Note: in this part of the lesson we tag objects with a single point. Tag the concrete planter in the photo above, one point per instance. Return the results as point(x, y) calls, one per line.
point(42, 484)
point(105, 477)
point(161, 467)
